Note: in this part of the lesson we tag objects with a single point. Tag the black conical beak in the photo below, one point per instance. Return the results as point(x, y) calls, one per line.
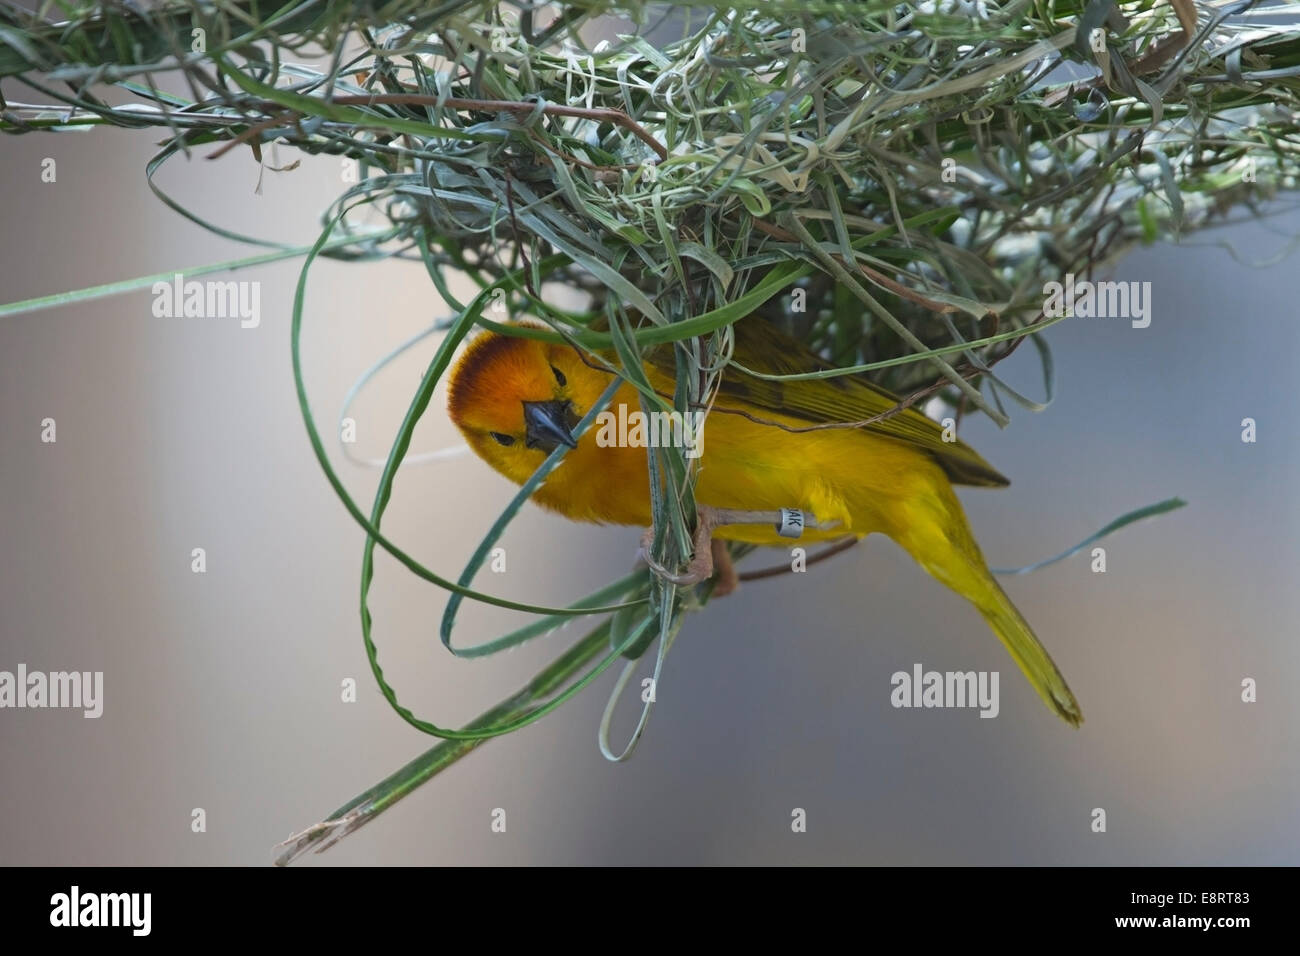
point(546, 425)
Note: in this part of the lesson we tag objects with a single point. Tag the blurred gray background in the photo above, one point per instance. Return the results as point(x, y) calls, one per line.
point(223, 689)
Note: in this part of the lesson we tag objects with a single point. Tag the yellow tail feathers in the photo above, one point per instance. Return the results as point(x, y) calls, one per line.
point(937, 536)
point(1029, 653)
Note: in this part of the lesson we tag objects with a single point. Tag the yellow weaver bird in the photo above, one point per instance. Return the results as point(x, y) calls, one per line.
point(517, 399)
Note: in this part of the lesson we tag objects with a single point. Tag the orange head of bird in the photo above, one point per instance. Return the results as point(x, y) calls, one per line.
point(516, 400)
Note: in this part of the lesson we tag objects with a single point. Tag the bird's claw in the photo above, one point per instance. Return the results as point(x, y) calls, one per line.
point(701, 566)
point(706, 555)
point(709, 554)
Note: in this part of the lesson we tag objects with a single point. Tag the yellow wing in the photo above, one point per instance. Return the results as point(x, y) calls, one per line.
point(846, 398)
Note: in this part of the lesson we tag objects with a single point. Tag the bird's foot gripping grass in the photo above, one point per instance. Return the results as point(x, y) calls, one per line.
point(710, 556)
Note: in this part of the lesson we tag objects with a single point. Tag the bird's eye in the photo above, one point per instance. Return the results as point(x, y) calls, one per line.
point(503, 439)
point(559, 376)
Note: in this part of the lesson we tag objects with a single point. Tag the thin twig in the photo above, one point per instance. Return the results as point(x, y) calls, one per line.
point(596, 114)
point(839, 547)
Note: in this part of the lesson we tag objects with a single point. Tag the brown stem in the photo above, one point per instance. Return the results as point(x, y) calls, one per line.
point(600, 114)
point(830, 552)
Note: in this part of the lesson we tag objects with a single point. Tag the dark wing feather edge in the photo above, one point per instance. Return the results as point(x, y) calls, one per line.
point(846, 398)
